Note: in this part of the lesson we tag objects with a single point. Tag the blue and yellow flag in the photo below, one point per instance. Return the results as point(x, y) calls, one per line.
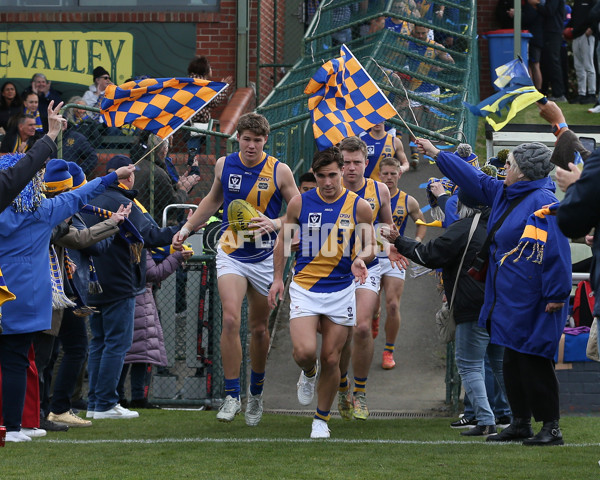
point(345, 100)
point(5, 294)
point(157, 105)
point(516, 93)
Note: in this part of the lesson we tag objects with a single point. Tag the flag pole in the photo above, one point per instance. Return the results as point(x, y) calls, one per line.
point(149, 152)
point(405, 94)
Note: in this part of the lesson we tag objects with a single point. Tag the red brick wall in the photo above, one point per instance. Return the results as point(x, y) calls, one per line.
point(486, 21)
point(216, 31)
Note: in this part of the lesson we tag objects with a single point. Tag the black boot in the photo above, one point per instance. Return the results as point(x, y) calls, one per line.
point(550, 434)
point(519, 429)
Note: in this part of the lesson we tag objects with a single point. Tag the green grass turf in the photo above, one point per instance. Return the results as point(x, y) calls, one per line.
point(185, 444)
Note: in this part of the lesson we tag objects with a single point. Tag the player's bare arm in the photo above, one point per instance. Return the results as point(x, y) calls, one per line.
point(400, 155)
point(366, 234)
point(385, 215)
point(288, 188)
point(414, 210)
point(283, 247)
point(207, 207)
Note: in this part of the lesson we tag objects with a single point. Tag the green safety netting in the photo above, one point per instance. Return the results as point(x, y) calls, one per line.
point(425, 86)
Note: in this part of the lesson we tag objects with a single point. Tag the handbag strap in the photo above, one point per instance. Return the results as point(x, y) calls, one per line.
point(462, 260)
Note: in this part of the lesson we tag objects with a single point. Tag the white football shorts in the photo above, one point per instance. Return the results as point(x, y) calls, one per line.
point(339, 307)
point(259, 274)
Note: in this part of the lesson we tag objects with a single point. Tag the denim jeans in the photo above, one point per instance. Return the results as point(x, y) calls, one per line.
point(472, 342)
point(112, 334)
point(496, 395)
point(73, 340)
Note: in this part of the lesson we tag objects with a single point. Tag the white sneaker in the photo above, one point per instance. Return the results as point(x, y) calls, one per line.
point(34, 432)
point(89, 414)
point(319, 429)
point(305, 387)
point(595, 109)
point(17, 437)
point(229, 409)
point(254, 409)
point(116, 412)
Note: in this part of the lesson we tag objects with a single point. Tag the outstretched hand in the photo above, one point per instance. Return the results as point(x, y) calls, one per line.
point(426, 147)
point(122, 213)
point(55, 120)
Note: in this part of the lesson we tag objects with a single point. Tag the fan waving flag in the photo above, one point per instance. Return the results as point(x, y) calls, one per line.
point(345, 100)
point(157, 105)
point(516, 93)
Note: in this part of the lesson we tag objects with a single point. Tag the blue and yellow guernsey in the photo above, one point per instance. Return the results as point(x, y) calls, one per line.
point(399, 204)
point(327, 242)
point(370, 192)
point(377, 150)
point(258, 186)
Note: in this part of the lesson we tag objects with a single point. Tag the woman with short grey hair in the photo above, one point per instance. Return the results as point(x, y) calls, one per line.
point(528, 282)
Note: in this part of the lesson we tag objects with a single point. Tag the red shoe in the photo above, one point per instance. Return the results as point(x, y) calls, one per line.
point(388, 360)
point(375, 326)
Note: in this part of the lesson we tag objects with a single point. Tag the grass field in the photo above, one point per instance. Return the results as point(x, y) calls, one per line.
point(192, 444)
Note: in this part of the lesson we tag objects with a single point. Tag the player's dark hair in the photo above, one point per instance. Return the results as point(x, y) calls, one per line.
point(307, 177)
point(327, 157)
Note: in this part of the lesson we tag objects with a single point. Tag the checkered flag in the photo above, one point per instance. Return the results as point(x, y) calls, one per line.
point(157, 105)
point(345, 100)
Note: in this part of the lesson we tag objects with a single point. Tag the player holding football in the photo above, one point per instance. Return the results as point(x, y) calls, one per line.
point(336, 241)
point(245, 264)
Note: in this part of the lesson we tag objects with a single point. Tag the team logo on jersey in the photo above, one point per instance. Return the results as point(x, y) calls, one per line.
point(344, 223)
point(235, 183)
point(370, 150)
point(314, 220)
point(263, 185)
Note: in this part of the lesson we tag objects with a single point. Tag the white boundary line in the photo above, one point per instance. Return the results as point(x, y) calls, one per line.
point(292, 440)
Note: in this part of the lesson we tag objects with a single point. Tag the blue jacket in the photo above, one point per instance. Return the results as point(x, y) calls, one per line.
point(516, 293)
point(24, 259)
point(579, 212)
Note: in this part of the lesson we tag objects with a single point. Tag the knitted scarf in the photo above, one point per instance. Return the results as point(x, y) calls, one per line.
point(59, 299)
point(127, 231)
point(534, 234)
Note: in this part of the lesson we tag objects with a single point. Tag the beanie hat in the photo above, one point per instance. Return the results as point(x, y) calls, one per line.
point(99, 72)
point(465, 151)
point(533, 159)
point(57, 177)
point(77, 174)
